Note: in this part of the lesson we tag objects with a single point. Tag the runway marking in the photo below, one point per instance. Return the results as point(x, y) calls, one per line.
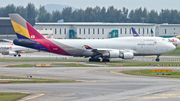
point(169, 95)
point(114, 72)
point(25, 99)
point(152, 97)
point(122, 74)
point(138, 96)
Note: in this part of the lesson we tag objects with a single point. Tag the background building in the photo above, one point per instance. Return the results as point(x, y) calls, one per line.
point(96, 30)
point(168, 30)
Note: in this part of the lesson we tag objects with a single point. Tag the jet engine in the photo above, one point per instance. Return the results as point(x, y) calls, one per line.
point(9, 53)
point(127, 55)
point(117, 54)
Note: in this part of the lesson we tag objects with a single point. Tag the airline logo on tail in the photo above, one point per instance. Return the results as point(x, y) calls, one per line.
point(172, 40)
point(87, 47)
point(134, 32)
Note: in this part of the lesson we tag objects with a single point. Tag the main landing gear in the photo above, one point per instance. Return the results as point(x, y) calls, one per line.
point(18, 55)
point(157, 59)
point(105, 60)
point(94, 60)
point(98, 60)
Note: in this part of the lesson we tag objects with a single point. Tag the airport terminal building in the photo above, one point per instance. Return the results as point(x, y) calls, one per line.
point(96, 30)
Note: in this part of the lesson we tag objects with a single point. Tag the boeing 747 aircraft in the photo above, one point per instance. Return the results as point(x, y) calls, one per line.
point(123, 47)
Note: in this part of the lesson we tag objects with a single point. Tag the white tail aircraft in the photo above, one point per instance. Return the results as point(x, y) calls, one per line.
point(15, 50)
point(124, 47)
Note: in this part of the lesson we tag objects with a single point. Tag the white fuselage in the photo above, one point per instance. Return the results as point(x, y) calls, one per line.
point(137, 45)
point(14, 50)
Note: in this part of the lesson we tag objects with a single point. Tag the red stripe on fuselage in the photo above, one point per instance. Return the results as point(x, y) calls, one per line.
point(36, 36)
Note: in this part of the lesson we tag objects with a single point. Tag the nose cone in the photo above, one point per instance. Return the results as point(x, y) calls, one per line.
point(178, 42)
point(171, 47)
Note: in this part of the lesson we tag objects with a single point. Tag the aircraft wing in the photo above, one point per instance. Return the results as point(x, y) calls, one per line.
point(103, 50)
point(8, 40)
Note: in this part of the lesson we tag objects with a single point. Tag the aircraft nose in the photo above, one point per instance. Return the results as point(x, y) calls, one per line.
point(172, 47)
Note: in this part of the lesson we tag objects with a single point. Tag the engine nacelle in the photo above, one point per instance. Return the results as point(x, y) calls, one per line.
point(9, 53)
point(127, 55)
point(112, 54)
point(117, 54)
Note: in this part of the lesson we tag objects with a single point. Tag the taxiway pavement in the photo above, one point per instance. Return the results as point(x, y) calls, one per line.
point(98, 84)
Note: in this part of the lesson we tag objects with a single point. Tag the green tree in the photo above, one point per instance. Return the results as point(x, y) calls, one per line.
point(152, 17)
point(124, 15)
point(31, 11)
point(8, 9)
point(103, 15)
point(78, 15)
point(43, 15)
point(56, 15)
point(66, 14)
point(21, 11)
point(89, 15)
point(111, 14)
point(96, 14)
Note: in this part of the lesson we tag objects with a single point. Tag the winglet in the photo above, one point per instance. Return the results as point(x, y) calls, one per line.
point(135, 34)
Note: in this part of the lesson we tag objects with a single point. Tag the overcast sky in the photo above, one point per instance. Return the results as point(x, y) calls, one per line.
point(130, 4)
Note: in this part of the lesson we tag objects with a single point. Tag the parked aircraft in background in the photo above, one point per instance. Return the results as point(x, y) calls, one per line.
point(48, 36)
point(15, 50)
point(173, 40)
point(124, 47)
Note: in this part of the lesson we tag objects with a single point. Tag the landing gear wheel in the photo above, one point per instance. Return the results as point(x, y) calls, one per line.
point(106, 60)
point(94, 60)
point(14, 55)
point(90, 59)
point(98, 60)
point(157, 59)
point(19, 55)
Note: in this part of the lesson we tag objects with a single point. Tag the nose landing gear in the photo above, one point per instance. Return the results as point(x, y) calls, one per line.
point(157, 59)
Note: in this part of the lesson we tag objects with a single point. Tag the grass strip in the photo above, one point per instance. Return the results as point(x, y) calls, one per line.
point(72, 65)
point(10, 77)
point(54, 65)
point(43, 60)
point(33, 80)
point(126, 64)
point(45, 81)
point(147, 72)
point(6, 96)
point(21, 65)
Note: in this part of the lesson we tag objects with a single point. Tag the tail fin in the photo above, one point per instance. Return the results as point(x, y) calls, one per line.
point(135, 34)
point(23, 29)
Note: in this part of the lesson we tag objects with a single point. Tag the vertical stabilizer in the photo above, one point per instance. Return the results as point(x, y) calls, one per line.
point(23, 29)
point(135, 34)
